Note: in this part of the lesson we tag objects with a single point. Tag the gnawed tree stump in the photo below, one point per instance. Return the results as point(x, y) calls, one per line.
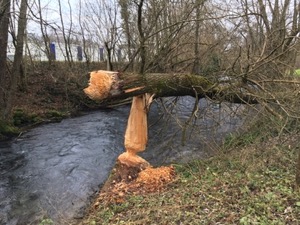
point(104, 84)
point(136, 138)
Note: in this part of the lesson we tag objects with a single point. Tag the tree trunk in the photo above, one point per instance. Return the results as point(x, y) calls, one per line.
point(45, 36)
point(107, 87)
point(66, 37)
point(142, 38)
point(4, 21)
point(196, 66)
point(17, 69)
point(109, 65)
point(124, 4)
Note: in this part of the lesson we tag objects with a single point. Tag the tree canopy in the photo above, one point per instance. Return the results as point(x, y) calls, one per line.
point(246, 42)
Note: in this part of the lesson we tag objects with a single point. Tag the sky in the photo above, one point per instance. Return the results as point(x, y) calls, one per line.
point(50, 12)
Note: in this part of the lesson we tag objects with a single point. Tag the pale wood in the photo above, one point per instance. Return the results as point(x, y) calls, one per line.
point(100, 85)
point(132, 160)
point(136, 135)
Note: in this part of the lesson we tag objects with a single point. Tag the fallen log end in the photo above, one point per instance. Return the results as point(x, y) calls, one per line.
point(102, 84)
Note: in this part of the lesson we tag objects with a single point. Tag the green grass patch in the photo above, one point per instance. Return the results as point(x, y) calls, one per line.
point(23, 118)
point(251, 180)
point(297, 72)
point(7, 130)
point(253, 185)
point(55, 115)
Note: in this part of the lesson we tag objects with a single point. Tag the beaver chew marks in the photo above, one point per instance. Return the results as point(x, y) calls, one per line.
point(136, 135)
point(100, 84)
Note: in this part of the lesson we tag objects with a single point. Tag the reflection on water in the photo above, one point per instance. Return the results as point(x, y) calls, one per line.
point(53, 171)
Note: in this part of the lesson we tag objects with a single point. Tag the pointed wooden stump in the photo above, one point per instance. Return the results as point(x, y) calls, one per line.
point(132, 173)
point(136, 137)
point(105, 83)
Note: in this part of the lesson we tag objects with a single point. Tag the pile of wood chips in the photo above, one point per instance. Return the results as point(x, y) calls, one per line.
point(155, 179)
point(148, 180)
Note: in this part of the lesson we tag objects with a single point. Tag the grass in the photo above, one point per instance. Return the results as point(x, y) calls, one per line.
point(253, 184)
point(297, 72)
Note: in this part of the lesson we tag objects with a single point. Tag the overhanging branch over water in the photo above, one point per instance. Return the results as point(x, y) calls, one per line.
point(107, 86)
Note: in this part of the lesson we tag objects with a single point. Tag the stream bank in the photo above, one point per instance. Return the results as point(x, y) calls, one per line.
point(54, 170)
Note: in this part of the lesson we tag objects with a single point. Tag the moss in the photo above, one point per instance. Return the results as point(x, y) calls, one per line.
point(56, 115)
point(201, 81)
point(22, 118)
point(7, 130)
point(176, 84)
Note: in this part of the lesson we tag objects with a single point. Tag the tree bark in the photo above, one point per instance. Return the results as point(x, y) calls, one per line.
point(142, 38)
point(4, 21)
point(107, 87)
point(18, 68)
point(124, 4)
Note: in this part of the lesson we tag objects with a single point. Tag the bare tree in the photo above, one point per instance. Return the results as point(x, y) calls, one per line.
point(83, 33)
point(4, 21)
point(268, 30)
point(18, 67)
point(43, 24)
point(66, 34)
point(9, 81)
point(102, 24)
point(125, 6)
point(196, 67)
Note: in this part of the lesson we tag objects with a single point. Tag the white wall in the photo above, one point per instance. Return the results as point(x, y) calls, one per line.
point(38, 53)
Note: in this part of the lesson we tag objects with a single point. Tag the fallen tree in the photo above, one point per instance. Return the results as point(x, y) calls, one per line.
point(107, 87)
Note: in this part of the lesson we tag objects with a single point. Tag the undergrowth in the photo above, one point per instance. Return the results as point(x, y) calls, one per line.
point(250, 181)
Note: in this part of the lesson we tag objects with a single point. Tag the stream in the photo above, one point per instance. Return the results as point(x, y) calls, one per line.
point(54, 171)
